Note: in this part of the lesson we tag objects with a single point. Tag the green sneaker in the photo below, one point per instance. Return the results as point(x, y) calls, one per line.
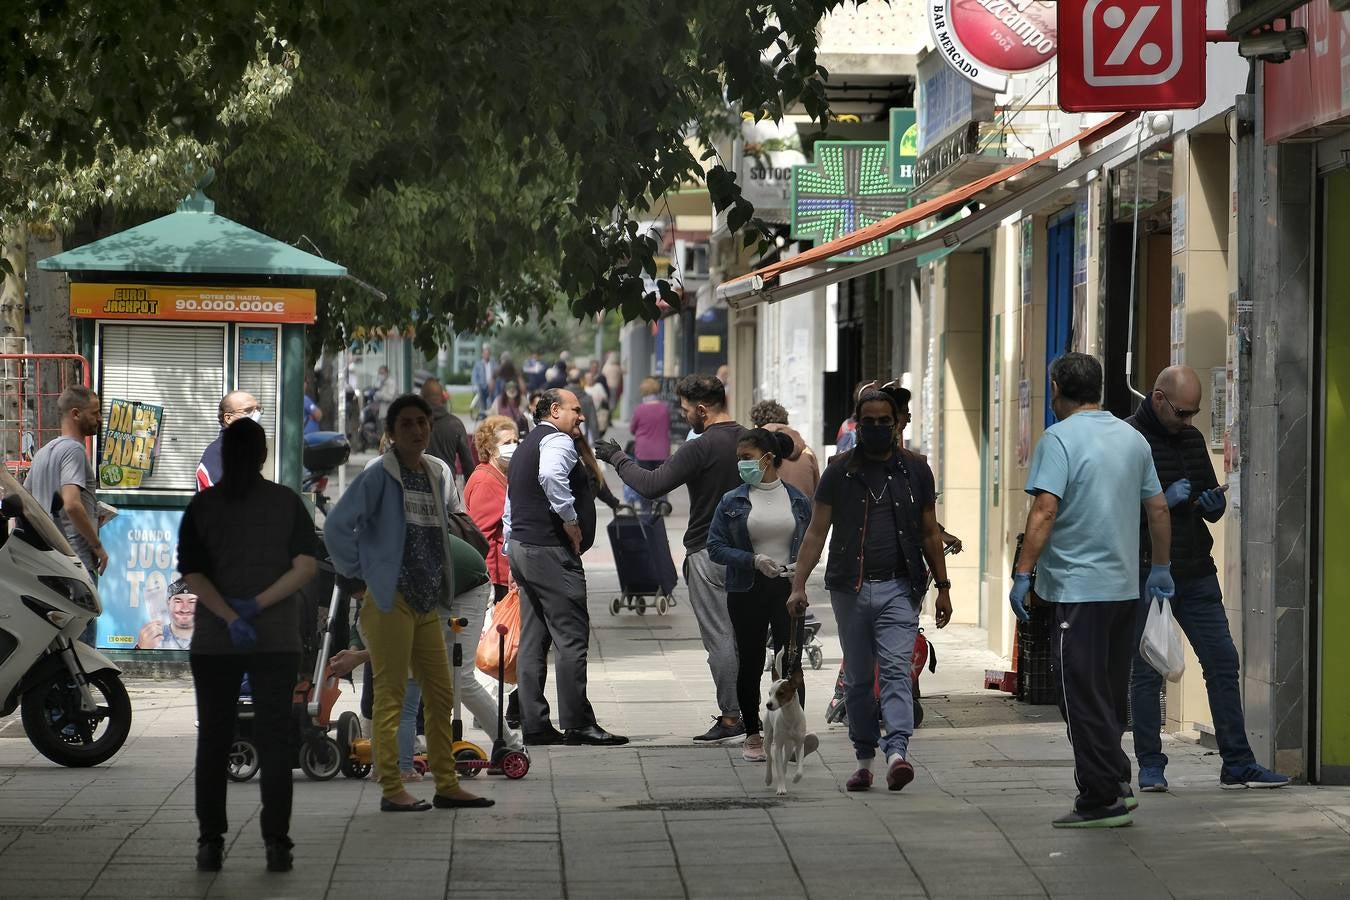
point(1107, 817)
point(1127, 797)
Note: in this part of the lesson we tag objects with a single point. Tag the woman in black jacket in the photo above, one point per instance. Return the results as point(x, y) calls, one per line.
point(245, 547)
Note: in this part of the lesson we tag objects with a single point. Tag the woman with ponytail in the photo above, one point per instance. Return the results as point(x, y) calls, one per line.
point(756, 532)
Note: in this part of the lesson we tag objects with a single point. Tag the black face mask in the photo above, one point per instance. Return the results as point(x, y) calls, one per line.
point(876, 439)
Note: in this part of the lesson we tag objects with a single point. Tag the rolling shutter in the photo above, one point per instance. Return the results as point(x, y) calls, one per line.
point(179, 368)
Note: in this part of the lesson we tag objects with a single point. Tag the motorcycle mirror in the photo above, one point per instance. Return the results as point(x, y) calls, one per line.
point(11, 507)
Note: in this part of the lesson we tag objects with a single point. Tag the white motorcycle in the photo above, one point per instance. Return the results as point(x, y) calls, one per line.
point(76, 711)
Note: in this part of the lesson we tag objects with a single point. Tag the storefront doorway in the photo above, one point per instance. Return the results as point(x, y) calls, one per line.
point(1332, 738)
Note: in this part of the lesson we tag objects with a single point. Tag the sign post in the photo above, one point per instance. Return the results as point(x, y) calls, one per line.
point(1131, 54)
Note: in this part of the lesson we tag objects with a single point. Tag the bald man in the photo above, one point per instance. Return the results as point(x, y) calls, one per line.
point(1181, 456)
point(234, 405)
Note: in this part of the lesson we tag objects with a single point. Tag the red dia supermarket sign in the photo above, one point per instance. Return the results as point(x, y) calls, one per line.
point(1131, 54)
point(986, 40)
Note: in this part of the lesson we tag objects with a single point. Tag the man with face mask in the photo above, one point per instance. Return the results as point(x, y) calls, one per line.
point(880, 505)
point(1181, 456)
point(234, 405)
point(1088, 474)
point(707, 467)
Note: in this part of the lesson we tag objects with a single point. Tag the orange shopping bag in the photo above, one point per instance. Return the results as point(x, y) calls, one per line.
point(488, 659)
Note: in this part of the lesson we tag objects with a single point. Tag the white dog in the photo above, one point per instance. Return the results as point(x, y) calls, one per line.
point(785, 736)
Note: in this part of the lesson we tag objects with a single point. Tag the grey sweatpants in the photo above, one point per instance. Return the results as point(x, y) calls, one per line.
point(708, 597)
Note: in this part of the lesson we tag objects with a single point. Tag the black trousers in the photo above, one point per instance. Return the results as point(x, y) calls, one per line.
point(754, 613)
point(1095, 647)
point(215, 678)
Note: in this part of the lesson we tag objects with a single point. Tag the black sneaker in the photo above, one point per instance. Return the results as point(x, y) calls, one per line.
point(1127, 797)
point(1104, 817)
point(720, 731)
point(210, 855)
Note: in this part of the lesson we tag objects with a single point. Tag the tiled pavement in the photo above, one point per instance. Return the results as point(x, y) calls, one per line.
point(665, 818)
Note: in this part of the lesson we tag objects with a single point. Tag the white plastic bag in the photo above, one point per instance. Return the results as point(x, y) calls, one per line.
point(1161, 645)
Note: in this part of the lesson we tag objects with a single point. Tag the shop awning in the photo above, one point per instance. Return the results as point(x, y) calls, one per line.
point(193, 240)
point(766, 285)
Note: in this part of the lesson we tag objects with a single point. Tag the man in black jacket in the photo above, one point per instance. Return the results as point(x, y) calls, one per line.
point(707, 467)
point(449, 437)
point(1182, 457)
point(877, 505)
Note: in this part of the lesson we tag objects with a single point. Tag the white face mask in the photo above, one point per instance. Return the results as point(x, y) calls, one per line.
point(256, 416)
point(506, 451)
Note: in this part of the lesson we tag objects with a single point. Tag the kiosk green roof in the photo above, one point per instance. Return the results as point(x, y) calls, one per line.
point(193, 240)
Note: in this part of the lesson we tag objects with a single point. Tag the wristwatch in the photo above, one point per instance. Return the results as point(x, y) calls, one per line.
point(943, 585)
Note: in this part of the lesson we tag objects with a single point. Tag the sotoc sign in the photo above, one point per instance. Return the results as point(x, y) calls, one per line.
point(986, 40)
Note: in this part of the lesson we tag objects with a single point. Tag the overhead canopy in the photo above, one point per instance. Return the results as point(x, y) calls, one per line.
point(766, 284)
point(193, 240)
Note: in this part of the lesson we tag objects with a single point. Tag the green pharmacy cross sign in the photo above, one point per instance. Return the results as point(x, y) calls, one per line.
point(848, 187)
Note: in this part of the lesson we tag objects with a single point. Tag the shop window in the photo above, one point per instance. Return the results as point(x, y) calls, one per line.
point(179, 368)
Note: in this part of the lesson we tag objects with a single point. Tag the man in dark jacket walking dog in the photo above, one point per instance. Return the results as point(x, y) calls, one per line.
point(1194, 498)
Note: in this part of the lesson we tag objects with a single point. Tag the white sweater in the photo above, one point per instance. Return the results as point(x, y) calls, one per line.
point(771, 523)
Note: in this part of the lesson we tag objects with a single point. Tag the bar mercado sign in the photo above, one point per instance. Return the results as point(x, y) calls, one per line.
point(986, 40)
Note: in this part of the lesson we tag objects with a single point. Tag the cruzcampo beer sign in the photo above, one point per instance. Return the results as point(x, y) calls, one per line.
point(154, 302)
point(130, 438)
point(987, 40)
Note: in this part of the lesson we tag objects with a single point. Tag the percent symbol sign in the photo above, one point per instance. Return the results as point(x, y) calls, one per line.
point(1150, 54)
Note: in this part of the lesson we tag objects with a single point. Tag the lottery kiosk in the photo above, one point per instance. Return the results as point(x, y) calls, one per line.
point(172, 315)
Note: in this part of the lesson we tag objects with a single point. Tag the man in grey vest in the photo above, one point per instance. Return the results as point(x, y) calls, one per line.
point(549, 521)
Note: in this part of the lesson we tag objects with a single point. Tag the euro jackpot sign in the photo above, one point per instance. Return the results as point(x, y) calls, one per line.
point(130, 442)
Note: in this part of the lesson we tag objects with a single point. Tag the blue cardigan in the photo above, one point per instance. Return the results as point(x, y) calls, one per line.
point(364, 532)
point(729, 534)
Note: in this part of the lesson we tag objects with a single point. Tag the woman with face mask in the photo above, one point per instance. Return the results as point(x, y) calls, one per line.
point(756, 532)
point(485, 492)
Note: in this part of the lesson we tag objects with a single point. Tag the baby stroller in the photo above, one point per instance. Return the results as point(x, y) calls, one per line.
point(642, 559)
point(315, 752)
point(813, 648)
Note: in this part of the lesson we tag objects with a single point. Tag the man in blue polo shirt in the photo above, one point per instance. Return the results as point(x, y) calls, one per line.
point(1089, 472)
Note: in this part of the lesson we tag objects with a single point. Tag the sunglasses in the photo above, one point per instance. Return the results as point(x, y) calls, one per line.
point(1179, 413)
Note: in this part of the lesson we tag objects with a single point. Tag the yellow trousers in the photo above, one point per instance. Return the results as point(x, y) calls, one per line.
point(401, 641)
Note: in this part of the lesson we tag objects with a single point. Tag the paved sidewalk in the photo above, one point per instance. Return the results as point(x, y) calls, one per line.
point(665, 818)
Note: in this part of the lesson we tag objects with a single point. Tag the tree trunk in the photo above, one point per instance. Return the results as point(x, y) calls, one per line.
point(17, 438)
point(14, 249)
point(49, 330)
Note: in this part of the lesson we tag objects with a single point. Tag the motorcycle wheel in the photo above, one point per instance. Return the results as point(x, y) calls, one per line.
point(65, 734)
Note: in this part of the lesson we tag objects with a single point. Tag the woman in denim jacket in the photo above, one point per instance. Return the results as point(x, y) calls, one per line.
point(756, 532)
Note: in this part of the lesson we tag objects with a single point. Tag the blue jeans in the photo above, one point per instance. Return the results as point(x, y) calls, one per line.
point(877, 625)
point(1198, 609)
point(407, 724)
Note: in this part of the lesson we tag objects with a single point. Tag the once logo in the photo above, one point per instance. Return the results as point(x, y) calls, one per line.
point(985, 40)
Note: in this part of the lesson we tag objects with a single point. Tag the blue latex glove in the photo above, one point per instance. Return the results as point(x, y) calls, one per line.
point(1211, 502)
point(242, 635)
point(1017, 597)
point(1177, 493)
point(245, 607)
point(1159, 585)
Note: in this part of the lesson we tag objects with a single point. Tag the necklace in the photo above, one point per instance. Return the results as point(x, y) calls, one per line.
point(876, 498)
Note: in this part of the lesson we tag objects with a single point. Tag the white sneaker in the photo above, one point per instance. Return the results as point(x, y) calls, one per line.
point(753, 749)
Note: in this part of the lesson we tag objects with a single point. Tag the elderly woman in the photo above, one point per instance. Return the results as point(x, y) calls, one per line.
point(389, 533)
point(485, 493)
point(245, 548)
